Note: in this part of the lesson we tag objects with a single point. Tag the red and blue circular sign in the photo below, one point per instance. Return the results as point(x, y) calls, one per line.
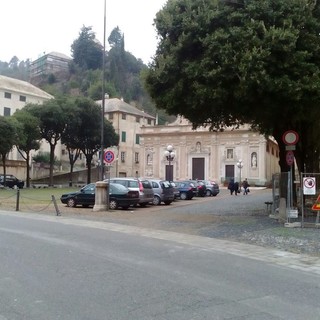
point(290, 158)
point(108, 156)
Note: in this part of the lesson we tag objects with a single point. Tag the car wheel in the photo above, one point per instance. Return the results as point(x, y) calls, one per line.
point(71, 203)
point(167, 203)
point(156, 200)
point(183, 196)
point(113, 205)
point(208, 193)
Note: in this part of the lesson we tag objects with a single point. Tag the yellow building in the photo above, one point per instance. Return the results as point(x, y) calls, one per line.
point(128, 122)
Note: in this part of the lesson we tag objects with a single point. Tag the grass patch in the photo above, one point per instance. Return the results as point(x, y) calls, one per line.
point(32, 196)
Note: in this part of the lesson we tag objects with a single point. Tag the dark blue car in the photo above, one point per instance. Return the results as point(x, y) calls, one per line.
point(119, 196)
point(187, 189)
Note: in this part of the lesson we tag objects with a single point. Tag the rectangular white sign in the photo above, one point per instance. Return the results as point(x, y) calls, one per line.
point(309, 185)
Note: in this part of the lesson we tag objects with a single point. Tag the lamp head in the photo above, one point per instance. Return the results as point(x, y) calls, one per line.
point(169, 147)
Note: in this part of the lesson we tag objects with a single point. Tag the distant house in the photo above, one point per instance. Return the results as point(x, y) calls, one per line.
point(127, 121)
point(51, 63)
point(14, 95)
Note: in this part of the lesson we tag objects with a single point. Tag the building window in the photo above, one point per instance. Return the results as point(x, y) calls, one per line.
point(229, 154)
point(6, 112)
point(23, 98)
point(137, 139)
point(124, 116)
point(123, 136)
point(7, 95)
point(149, 121)
point(138, 119)
point(136, 157)
point(111, 116)
point(123, 156)
point(268, 148)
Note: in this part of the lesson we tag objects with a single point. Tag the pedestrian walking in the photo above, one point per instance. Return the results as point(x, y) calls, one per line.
point(231, 186)
point(245, 186)
point(236, 188)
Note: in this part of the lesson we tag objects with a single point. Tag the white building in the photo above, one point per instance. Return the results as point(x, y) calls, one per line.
point(201, 154)
point(14, 95)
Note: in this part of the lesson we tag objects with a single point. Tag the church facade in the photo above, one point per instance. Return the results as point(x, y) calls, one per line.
point(203, 154)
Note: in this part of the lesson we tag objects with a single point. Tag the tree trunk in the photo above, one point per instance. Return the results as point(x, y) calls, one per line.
point(28, 169)
point(52, 148)
point(88, 162)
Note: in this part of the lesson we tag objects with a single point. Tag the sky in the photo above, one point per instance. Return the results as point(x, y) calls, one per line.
point(31, 28)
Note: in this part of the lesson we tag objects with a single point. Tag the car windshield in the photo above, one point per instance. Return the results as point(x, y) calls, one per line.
point(133, 184)
point(116, 187)
point(166, 184)
point(146, 184)
point(89, 187)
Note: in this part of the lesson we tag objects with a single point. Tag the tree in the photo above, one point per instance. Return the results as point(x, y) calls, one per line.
point(234, 62)
point(52, 116)
point(8, 138)
point(116, 39)
point(83, 132)
point(87, 52)
point(28, 138)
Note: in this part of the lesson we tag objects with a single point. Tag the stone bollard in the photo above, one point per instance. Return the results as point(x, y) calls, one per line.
point(102, 189)
point(283, 210)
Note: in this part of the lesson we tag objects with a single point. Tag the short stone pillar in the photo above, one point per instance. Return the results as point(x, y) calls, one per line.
point(283, 210)
point(102, 189)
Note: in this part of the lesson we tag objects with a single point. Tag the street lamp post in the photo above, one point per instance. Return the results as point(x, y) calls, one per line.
point(169, 154)
point(240, 166)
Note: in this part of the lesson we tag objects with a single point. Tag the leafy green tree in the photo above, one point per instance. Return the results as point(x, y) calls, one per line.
point(87, 52)
point(8, 138)
point(232, 62)
point(28, 138)
point(83, 132)
point(116, 39)
point(52, 116)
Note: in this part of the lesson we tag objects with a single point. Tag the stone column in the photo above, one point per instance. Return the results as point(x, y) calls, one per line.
point(102, 189)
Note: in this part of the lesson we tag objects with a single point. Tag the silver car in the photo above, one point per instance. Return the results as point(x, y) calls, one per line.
point(143, 186)
point(163, 192)
point(212, 188)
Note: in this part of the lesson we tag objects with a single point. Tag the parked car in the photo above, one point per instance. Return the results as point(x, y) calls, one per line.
point(119, 196)
point(187, 189)
point(201, 188)
point(212, 187)
point(163, 192)
point(176, 191)
point(141, 185)
point(11, 181)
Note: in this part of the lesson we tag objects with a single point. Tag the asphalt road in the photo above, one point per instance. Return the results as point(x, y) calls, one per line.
point(66, 268)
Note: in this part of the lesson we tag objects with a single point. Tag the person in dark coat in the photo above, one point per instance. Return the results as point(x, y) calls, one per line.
point(245, 185)
point(231, 186)
point(236, 188)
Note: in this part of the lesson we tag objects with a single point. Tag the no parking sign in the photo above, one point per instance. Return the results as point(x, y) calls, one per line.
point(108, 156)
